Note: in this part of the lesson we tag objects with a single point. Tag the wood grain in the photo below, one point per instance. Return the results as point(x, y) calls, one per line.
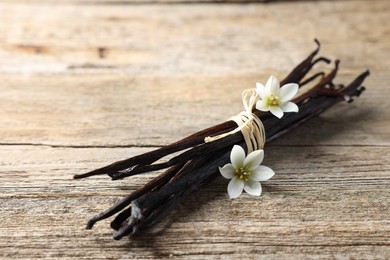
point(174, 40)
point(86, 83)
point(331, 199)
point(152, 2)
point(112, 111)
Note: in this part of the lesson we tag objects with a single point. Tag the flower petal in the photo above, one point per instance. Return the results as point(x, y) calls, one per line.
point(289, 107)
point(288, 91)
point(262, 173)
point(262, 106)
point(237, 156)
point(272, 85)
point(276, 111)
point(261, 90)
point(253, 188)
point(227, 171)
point(254, 159)
point(235, 187)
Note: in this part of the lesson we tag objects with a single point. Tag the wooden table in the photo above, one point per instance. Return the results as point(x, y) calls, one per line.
point(84, 83)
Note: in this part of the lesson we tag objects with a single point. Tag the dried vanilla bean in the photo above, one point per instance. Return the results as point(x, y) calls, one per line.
point(196, 166)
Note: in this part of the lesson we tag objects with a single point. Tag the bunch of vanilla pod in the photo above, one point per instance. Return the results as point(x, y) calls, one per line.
point(198, 164)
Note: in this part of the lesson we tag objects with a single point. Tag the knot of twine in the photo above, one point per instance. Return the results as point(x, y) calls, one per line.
point(248, 123)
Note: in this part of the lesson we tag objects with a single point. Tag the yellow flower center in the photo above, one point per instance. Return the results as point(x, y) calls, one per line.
point(273, 100)
point(243, 173)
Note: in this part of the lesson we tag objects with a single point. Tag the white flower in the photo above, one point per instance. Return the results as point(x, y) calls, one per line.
point(275, 98)
point(245, 173)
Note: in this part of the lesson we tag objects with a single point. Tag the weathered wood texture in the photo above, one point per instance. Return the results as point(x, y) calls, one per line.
point(149, 2)
point(85, 85)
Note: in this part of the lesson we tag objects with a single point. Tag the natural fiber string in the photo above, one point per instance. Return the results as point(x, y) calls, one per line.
point(249, 124)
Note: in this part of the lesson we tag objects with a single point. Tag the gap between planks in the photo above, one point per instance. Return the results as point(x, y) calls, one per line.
point(159, 146)
point(166, 2)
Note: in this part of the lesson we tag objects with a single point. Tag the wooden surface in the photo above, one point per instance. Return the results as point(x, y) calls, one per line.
point(86, 83)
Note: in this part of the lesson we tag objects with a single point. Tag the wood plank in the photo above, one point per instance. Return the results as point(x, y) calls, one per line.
point(158, 2)
point(153, 64)
point(307, 209)
point(112, 110)
point(150, 2)
point(177, 40)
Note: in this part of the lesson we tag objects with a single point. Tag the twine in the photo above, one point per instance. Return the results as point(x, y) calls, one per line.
point(248, 123)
